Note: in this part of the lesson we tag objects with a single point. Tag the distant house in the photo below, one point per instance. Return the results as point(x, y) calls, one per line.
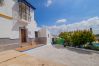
point(44, 36)
point(17, 23)
point(97, 37)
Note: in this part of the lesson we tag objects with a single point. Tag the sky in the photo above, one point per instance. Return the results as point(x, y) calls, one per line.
point(67, 15)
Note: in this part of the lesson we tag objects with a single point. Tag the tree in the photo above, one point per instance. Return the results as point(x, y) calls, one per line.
point(78, 38)
point(66, 36)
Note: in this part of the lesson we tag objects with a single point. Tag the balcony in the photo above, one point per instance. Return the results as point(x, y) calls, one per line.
point(24, 13)
point(22, 16)
point(23, 21)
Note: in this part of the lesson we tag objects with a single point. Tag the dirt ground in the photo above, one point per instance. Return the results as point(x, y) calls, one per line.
point(5, 47)
point(15, 58)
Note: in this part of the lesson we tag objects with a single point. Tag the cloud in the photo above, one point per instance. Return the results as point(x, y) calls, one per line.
point(84, 24)
point(61, 21)
point(49, 2)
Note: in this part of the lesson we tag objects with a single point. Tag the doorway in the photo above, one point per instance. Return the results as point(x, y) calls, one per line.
point(23, 35)
point(36, 34)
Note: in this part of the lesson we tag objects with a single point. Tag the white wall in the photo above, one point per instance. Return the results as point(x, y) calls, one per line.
point(5, 28)
point(49, 38)
point(44, 33)
point(7, 7)
point(6, 25)
point(32, 26)
point(31, 29)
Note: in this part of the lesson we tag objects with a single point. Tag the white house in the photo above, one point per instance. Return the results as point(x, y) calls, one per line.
point(17, 23)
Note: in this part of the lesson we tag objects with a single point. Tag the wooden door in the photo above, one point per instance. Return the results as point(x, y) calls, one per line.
point(23, 35)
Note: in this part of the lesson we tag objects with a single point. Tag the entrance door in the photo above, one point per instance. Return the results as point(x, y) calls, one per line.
point(23, 35)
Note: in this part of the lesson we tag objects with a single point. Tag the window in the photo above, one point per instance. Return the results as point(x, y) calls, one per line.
point(48, 35)
point(1, 2)
point(36, 34)
point(24, 12)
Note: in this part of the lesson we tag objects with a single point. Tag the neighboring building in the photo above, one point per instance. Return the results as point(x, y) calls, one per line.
point(97, 37)
point(44, 36)
point(17, 23)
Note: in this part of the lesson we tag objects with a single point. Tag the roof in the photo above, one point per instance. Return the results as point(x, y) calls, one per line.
point(27, 3)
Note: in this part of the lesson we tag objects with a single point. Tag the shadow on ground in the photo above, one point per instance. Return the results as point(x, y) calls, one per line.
point(80, 51)
point(77, 50)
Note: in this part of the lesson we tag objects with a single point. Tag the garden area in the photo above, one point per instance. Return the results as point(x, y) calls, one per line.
point(78, 39)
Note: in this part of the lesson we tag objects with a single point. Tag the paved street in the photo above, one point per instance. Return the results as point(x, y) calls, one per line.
point(67, 56)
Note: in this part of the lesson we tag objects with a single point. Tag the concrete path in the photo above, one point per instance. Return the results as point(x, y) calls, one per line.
point(67, 56)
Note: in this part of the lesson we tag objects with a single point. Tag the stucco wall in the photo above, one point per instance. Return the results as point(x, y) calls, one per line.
point(32, 26)
point(6, 25)
point(49, 38)
point(6, 8)
point(42, 33)
point(45, 33)
point(31, 29)
point(6, 29)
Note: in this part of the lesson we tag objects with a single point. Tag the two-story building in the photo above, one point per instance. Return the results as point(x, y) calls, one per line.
point(17, 23)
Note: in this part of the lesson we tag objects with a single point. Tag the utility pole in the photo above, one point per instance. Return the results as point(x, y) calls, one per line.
point(91, 30)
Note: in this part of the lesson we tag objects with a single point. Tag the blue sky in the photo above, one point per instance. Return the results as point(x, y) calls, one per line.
point(63, 12)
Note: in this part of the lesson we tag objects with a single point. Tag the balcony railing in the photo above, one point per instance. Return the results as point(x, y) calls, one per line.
point(24, 12)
